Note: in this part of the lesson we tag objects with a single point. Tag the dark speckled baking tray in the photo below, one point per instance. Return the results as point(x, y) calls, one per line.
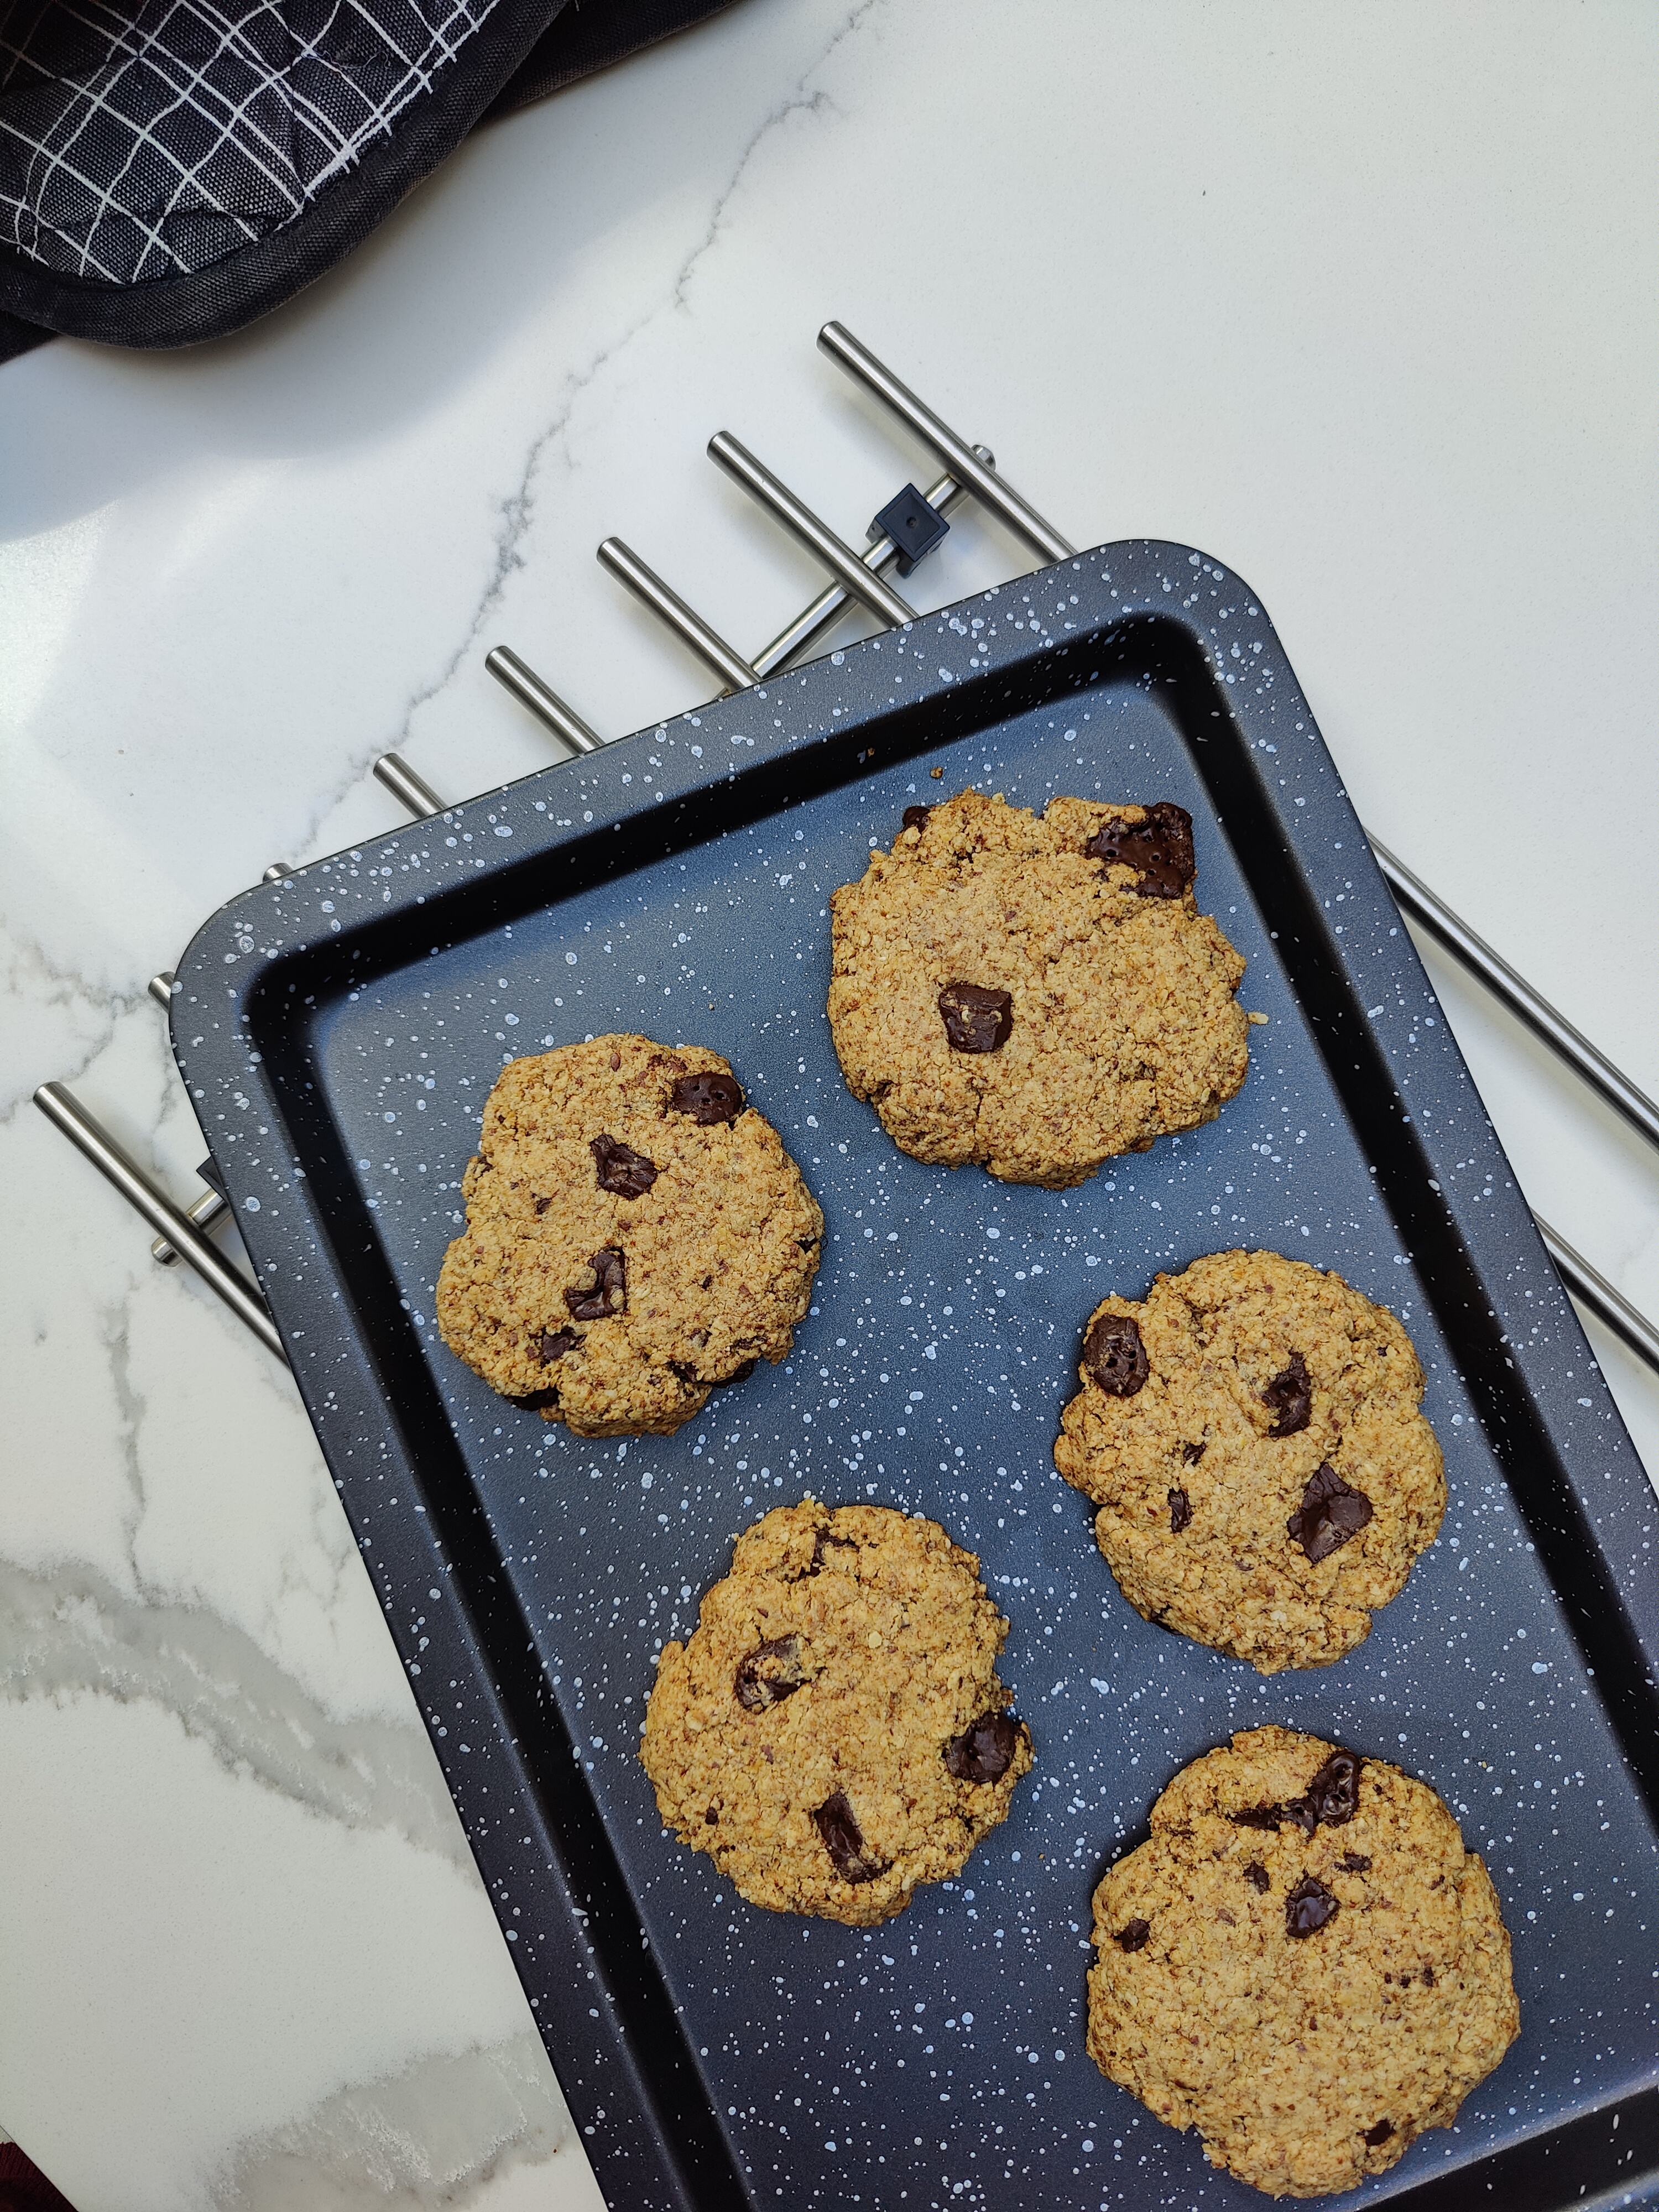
point(340, 1031)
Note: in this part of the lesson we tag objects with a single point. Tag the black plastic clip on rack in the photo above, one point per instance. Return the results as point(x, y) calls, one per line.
point(906, 530)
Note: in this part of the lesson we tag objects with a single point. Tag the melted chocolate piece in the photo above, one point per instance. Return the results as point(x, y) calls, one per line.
point(1332, 1797)
point(1290, 1396)
point(1428, 1978)
point(1193, 1453)
point(737, 1374)
point(1354, 1862)
point(622, 1169)
point(609, 1294)
point(823, 1545)
point(843, 1839)
point(915, 818)
point(542, 1204)
point(555, 1343)
point(712, 1816)
point(1379, 2135)
point(1261, 1816)
point(1114, 1355)
point(707, 1098)
point(770, 1675)
point(1334, 1793)
point(1306, 1909)
point(1158, 849)
point(1328, 1515)
point(535, 1402)
point(976, 1018)
point(984, 1750)
point(1180, 1511)
point(1256, 1875)
point(1132, 1935)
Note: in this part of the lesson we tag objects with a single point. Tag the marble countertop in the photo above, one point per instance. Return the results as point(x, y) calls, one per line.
point(1361, 303)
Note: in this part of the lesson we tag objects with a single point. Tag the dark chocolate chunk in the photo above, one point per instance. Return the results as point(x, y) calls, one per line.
point(555, 1343)
point(843, 1839)
point(822, 1547)
point(1114, 1355)
point(770, 1675)
point(1354, 1862)
point(1379, 2135)
point(915, 818)
point(1307, 1908)
point(1132, 1935)
point(542, 1204)
point(1330, 1512)
point(622, 1169)
point(737, 1374)
point(1290, 1396)
point(1158, 849)
point(1256, 1875)
point(708, 1097)
point(535, 1401)
point(1193, 1453)
point(712, 1816)
point(1259, 1816)
point(976, 1018)
point(1180, 1511)
point(609, 1292)
point(1428, 1978)
point(1334, 1793)
point(985, 1749)
point(1331, 1797)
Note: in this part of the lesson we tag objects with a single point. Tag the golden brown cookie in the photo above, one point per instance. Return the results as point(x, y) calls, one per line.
point(1250, 1433)
point(636, 1234)
point(1303, 1962)
point(834, 1731)
point(1035, 992)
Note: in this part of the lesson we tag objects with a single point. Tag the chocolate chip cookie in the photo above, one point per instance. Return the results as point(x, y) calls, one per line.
point(1035, 992)
point(1251, 1435)
point(1301, 1961)
point(636, 1235)
point(833, 1732)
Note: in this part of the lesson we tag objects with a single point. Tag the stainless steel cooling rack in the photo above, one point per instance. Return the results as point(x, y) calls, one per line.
point(900, 536)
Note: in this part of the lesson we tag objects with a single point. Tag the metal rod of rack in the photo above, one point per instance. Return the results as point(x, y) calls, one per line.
point(211, 1206)
point(544, 703)
point(669, 607)
point(820, 541)
point(944, 497)
point(954, 453)
point(409, 789)
point(1591, 1288)
point(1418, 903)
point(66, 1113)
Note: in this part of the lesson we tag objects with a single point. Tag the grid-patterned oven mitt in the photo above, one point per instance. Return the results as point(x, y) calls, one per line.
point(170, 169)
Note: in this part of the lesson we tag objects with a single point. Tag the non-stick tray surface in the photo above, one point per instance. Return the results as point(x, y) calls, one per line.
point(340, 1031)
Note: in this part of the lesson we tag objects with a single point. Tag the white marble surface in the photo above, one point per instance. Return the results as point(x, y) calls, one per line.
point(1362, 303)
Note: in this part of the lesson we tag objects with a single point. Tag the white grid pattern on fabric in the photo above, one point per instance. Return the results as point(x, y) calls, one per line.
point(153, 143)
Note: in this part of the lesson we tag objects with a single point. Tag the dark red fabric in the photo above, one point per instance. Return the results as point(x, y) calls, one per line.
point(24, 2188)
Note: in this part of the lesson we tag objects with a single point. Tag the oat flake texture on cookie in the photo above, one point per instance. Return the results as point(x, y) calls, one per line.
point(1035, 993)
point(635, 1235)
point(1303, 1962)
point(833, 1732)
point(1250, 1435)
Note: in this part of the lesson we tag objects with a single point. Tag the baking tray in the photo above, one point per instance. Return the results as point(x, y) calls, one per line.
point(340, 1031)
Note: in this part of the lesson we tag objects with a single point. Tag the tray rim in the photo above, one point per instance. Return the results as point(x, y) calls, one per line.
point(598, 2067)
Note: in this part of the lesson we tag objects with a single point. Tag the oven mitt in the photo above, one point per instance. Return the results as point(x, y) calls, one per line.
point(169, 169)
